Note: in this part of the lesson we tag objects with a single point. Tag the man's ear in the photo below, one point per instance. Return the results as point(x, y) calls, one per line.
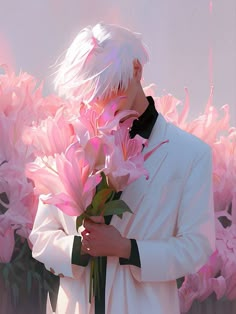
point(137, 70)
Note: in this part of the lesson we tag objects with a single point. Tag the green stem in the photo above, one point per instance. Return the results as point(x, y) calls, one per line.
point(91, 292)
point(94, 281)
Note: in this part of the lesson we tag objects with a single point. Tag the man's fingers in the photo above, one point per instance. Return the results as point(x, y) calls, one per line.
point(88, 225)
point(87, 236)
point(92, 222)
point(85, 243)
point(85, 233)
point(97, 219)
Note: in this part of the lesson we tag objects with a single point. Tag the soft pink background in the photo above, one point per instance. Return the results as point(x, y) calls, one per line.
point(179, 35)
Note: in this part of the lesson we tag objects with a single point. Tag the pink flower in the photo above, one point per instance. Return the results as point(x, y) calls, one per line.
point(12, 146)
point(47, 106)
point(92, 121)
point(43, 173)
point(110, 118)
point(21, 97)
point(96, 150)
point(52, 136)
point(188, 293)
point(209, 279)
point(226, 245)
point(201, 285)
point(21, 204)
point(125, 164)
point(167, 105)
point(208, 127)
point(224, 173)
point(68, 178)
point(150, 90)
point(231, 285)
point(18, 97)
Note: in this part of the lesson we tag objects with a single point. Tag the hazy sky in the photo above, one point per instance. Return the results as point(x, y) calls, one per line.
point(180, 35)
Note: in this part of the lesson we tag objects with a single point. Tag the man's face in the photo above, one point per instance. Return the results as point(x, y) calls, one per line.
point(126, 97)
point(128, 102)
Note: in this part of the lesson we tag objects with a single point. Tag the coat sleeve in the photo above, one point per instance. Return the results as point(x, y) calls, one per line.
point(51, 245)
point(194, 242)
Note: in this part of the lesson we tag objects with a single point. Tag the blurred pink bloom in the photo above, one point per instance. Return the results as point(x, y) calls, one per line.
point(231, 285)
point(224, 171)
point(21, 99)
point(150, 90)
point(12, 146)
point(17, 96)
point(202, 284)
point(21, 205)
point(209, 127)
point(47, 106)
point(188, 293)
point(167, 105)
point(53, 135)
point(226, 245)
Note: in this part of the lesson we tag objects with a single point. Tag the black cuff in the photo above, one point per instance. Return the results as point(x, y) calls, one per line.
point(77, 258)
point(134, 258)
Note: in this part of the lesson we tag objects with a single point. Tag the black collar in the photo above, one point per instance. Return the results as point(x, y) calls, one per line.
point(144, 124)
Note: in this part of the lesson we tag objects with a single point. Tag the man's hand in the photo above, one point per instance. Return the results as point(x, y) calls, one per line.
point(100, 239)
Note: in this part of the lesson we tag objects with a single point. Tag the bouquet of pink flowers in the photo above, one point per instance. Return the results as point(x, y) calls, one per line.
point(98, 159)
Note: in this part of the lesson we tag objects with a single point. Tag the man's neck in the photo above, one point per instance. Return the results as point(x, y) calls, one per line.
point(140, 103)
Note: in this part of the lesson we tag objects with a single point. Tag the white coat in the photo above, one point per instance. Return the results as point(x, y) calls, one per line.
point(172, 222)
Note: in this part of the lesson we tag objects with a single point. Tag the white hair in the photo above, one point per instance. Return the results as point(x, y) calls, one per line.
point(99, 62)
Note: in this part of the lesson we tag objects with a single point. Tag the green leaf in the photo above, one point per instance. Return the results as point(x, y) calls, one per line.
point(116, 207)
point(100, 198)
point(103, 184)
point(90, 211)
point(111, 197)
point(79, 221)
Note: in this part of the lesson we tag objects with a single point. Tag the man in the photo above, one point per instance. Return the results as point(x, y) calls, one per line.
point(171, 231)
